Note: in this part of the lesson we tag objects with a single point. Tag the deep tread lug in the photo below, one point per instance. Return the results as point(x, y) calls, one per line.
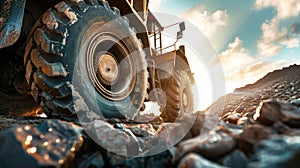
point(67, 11)
point(47, 99)
point(104, 3)
point(46, 44)
point(53, 23)
point(65, 105)
point(126, 20)
point(79, 4)
point(57, 90)
point(91, 2)
point(116, 10)
point(35, 92)
point(37, 36)
point(51, 47)
point(29, 70)
point(50, 69)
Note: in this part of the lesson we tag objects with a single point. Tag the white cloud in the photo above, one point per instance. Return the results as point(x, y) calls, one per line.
point(273, 39)
point(285, 8)
point(270, 31)
point(241, 68)
point(154, 5)
point(268, 49)
point(208, 22)
point(290, 42)
point(235, 57)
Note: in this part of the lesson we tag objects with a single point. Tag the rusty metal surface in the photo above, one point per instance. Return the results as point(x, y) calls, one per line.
point(11, 17)
point(169, 56)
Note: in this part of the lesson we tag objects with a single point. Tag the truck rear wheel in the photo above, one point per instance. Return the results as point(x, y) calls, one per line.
point(89, 40)
point(180, 99)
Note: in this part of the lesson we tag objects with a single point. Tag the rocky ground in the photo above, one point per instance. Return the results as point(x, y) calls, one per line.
point(259, 127)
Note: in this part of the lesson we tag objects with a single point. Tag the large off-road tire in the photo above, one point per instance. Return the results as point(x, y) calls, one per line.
point(180, 100)
point(89, 42)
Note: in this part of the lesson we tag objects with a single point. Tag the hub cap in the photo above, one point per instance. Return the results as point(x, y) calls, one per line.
point(108, 69)
point(185, 100)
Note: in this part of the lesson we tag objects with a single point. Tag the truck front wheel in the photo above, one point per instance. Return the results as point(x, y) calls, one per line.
point(89, 42)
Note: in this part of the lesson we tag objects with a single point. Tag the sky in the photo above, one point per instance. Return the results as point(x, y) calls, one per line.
point(251, 37)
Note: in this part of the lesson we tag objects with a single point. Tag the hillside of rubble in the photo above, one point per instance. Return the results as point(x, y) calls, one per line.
point(258, 127)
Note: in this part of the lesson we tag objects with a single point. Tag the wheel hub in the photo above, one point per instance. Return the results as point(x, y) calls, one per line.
point(185, 100)
point(108, 69)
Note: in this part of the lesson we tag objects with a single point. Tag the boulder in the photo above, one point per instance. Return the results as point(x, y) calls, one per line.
point(271, 111)
point(92, 159)
point(193, 160)
point(110, 138)
point(268, 112)
point(251, 135)
point(167, 135)
point(235, 159)
point(278, 151)
point(290, 115)
point(52, 143)
point(215, 146)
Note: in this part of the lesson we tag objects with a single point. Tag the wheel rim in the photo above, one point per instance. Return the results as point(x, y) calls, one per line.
point(110, 66)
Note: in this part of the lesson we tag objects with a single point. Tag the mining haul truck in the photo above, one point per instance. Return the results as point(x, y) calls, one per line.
point(46, 44)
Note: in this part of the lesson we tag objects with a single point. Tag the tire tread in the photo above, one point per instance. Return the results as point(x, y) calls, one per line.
point(45, 72)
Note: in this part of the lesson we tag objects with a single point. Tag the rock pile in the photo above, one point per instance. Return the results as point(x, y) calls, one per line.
point(271, 132)
point(55, 143)
point(259, 127)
